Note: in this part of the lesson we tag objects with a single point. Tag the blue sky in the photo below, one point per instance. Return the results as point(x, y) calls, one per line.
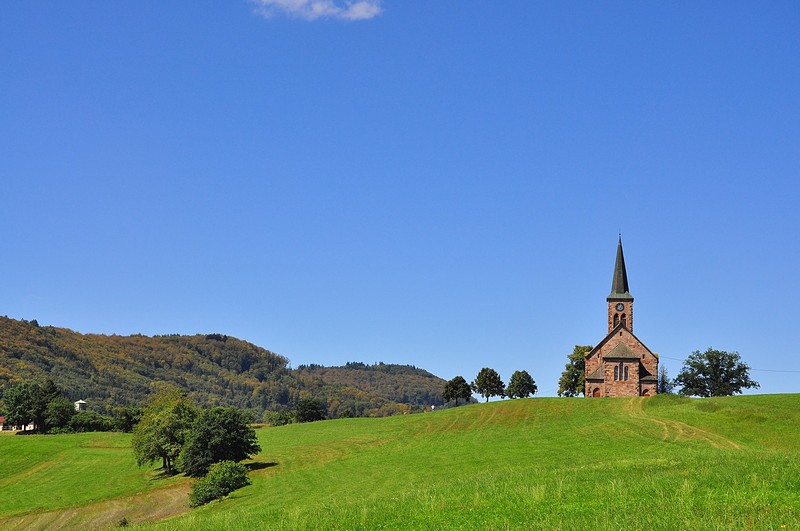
point(437, 183)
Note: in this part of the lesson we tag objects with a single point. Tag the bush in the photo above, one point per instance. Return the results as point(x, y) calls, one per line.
point(222, 479)
point(84, 421)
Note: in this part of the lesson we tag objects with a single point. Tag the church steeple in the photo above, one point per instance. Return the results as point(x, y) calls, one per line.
point(619, 285)
point(620, 301)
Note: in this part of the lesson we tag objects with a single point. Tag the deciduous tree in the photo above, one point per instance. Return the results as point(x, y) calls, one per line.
point(714, 373)
point(310, 409)
point(521, 385)
point(218, 434)
point(162, 431)
point(572, 379)
point(456, 389)
point(488, 383)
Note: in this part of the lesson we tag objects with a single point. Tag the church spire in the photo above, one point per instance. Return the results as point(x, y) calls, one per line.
point(619, 285)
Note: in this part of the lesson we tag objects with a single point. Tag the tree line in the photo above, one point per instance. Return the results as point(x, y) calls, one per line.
point(488, 384)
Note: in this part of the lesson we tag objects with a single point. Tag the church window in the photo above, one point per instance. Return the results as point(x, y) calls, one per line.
point(616, 319)
point(624, 321)
point(626, 374)
point(616, 372)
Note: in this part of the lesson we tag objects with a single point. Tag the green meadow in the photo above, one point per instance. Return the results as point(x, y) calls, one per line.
point(545, 463)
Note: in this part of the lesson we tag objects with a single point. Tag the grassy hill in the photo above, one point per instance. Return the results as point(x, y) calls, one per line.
point(661, 463)
point(215, 369)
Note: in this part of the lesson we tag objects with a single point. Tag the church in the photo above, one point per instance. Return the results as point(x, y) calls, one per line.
point(620, 365)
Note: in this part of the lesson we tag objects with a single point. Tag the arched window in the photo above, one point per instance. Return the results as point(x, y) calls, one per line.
point(624, 321)
point(616, 372)
point(616, 319)
point(626, 373)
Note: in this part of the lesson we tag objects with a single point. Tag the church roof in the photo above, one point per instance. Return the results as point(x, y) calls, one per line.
point(598, 374)
point(621, 352)
point(619, 284)
point(620, 327)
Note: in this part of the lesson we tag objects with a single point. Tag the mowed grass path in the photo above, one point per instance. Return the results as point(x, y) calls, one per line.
point(80, 480)
point(661, 463)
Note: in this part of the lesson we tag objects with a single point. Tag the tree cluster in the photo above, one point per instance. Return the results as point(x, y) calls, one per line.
point(184, 437)
point(487, 384)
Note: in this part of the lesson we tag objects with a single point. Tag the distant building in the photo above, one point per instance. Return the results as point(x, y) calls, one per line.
point(80, 405)
point(2, 423)
point(620, 365)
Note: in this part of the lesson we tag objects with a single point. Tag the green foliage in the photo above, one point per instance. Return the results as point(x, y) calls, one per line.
point(222, 479)
point(521, 385)
point(28, 402)
point(310, 409)
point(572, 381)
point(19, 404)
point(83, 421)
point(278, 418)
point(127, 417)
point(162, 431)
point(58, 414)
point(714, 373)
point(488, 383)
point(218, 434)
point(457, 389)
point(665, 386)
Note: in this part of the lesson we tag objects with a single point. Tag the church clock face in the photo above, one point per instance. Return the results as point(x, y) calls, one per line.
point(620, 307)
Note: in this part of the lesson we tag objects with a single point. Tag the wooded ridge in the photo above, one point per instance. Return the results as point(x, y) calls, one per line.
point(214, 369)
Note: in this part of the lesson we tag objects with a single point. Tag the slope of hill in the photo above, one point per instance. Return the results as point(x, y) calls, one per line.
point(109, 371)
point(546, 463)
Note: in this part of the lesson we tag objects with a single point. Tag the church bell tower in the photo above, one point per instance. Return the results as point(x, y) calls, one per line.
point(620, 301)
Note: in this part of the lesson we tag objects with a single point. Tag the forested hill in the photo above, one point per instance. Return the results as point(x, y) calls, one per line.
point(110, 371)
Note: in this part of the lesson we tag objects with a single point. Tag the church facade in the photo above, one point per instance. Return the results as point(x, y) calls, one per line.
point(620, 365)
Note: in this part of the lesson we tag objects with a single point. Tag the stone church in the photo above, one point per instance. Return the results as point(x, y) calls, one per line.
point(620, 365)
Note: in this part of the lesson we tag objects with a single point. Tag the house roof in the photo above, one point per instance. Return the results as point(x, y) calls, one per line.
point(619, 284)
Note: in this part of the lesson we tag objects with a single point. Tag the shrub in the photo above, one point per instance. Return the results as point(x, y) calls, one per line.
point(90, 421)
point(222, 479)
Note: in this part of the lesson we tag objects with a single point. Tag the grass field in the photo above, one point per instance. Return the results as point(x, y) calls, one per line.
point(661, 463)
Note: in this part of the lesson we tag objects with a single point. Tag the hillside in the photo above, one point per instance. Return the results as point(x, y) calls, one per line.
point(109, 371)
point(545, 463)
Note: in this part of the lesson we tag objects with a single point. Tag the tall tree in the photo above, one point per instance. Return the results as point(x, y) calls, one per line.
point(572, 381)
point(714, 373)
point(162, 431)
point(456, 389)
point(488, 383)
point(20, 404)
point(218, 434)
point(521, 385)
point(665, 386)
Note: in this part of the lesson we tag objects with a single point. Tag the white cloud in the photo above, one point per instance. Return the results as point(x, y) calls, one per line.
point(314, 9)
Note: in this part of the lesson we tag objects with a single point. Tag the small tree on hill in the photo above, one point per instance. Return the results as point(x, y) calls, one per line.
point(488, 383)
point(521, 385)
point(714, 373)
point(218, 434)
point(572, 381)
point(456, 389)
point(665, 386)
point(310, 409)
